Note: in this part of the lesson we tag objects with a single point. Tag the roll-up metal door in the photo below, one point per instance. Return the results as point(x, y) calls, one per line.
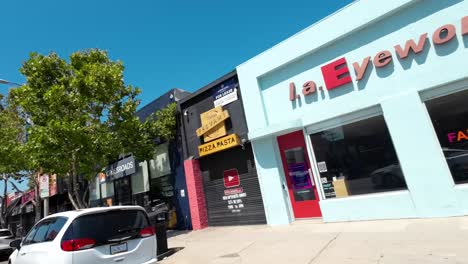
point(232, 190)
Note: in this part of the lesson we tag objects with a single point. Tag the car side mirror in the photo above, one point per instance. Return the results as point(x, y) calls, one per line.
point(16, 244)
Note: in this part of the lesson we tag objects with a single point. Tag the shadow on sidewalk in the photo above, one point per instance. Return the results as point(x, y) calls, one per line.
point(174, 233)
point(169, 253)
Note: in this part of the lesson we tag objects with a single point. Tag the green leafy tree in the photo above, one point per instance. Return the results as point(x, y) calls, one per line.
point(12, 156)
point(165, 125)
point(83, 116)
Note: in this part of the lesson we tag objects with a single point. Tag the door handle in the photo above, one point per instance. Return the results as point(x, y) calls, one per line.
point(119, 259)
point(22, 254)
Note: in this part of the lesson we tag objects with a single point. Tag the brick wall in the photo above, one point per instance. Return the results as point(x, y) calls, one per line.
point(196, 194)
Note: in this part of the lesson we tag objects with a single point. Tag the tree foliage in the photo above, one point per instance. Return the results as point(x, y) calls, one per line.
point(166, 122)
point(12, 137)
point(12, 158)
point(83, 115)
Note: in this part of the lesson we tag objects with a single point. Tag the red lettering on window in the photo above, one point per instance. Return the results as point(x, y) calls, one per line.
point(336, 74)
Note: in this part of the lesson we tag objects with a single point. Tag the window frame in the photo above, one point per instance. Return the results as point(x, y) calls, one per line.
point(339, 121)
point(437, 93)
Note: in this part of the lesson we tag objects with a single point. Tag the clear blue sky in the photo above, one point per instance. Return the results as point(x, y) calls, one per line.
point(164, 44)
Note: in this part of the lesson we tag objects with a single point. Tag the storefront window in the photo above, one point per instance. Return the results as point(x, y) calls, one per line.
point(357, 158)
point(107, 189)
point(449, 115)
point(140, 181)
point(94, 189)
point(160, 164)
point(123, 191)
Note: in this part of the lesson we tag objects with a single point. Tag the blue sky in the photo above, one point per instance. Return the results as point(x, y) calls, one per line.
point(164, 44)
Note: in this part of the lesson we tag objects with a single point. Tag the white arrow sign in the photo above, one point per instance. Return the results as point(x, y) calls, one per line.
point(230, 178)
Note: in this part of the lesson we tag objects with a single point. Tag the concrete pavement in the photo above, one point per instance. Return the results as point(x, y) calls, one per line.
point(428, 241)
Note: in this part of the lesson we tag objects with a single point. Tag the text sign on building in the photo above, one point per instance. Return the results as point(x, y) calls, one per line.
point(121, 168)
point(226, 94)
point(44, 186)
point(223, 143)
point(231, 178)
point(212, 119)
point(337, 73)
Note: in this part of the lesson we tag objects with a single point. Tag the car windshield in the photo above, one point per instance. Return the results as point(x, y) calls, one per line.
point(103, 227)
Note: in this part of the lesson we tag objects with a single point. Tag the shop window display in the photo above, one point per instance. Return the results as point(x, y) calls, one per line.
point(357, 158)
point(449, 115)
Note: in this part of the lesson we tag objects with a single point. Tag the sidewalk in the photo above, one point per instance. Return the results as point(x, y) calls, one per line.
point(442, 240)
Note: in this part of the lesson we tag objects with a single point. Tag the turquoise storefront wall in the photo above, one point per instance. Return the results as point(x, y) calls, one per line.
point(398, 90)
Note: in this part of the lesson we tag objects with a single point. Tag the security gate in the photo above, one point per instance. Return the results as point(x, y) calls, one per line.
point(232, 190)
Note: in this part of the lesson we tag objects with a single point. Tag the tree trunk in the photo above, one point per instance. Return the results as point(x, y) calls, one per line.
point(37, 197)
point(72, 200)
point(4, 201)
point(70, 193)
point(37, 205)
point(86, 204)
point(74, 186)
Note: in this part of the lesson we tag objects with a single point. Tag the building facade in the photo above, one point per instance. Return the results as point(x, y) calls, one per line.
point(128, 181)
point(363, 115)
point(222, 180)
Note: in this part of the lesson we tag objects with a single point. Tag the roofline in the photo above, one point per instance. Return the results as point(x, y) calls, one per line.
point(154, 100)
point(207, 87)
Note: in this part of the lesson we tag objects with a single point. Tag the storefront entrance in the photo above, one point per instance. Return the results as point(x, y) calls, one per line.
point(301, 186)
point(232, 189)
point(123, 191)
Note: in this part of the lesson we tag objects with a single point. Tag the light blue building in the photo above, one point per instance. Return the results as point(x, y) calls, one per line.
point(364, 115)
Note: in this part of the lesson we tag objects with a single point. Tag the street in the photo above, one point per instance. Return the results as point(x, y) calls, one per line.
point(441, 240)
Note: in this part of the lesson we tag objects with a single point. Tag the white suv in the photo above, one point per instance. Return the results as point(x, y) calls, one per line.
point(119, 234)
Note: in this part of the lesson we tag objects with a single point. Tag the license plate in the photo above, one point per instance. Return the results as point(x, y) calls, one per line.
point(115, 249)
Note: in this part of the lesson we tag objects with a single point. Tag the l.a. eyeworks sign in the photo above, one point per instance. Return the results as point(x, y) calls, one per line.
point(223, 143)
point(337, 73)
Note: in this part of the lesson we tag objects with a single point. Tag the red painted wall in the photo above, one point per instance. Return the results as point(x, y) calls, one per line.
point(196, 194)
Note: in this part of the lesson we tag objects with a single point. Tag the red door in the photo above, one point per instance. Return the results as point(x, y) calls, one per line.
point(301, 186)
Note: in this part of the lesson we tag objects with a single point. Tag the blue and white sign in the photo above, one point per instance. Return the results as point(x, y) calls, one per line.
point(226, 94)
point(121, 168)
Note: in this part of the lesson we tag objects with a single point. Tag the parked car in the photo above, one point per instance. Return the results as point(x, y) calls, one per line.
point(119, 234)
point(5, 233)
point(5, 239)
point(392, 176)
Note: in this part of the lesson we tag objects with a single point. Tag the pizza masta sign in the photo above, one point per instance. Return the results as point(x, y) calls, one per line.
point(213, 130)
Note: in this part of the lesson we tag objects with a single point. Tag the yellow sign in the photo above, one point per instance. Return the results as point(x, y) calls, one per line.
point(224, 143)
point(212, 119)
point(217, 132)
